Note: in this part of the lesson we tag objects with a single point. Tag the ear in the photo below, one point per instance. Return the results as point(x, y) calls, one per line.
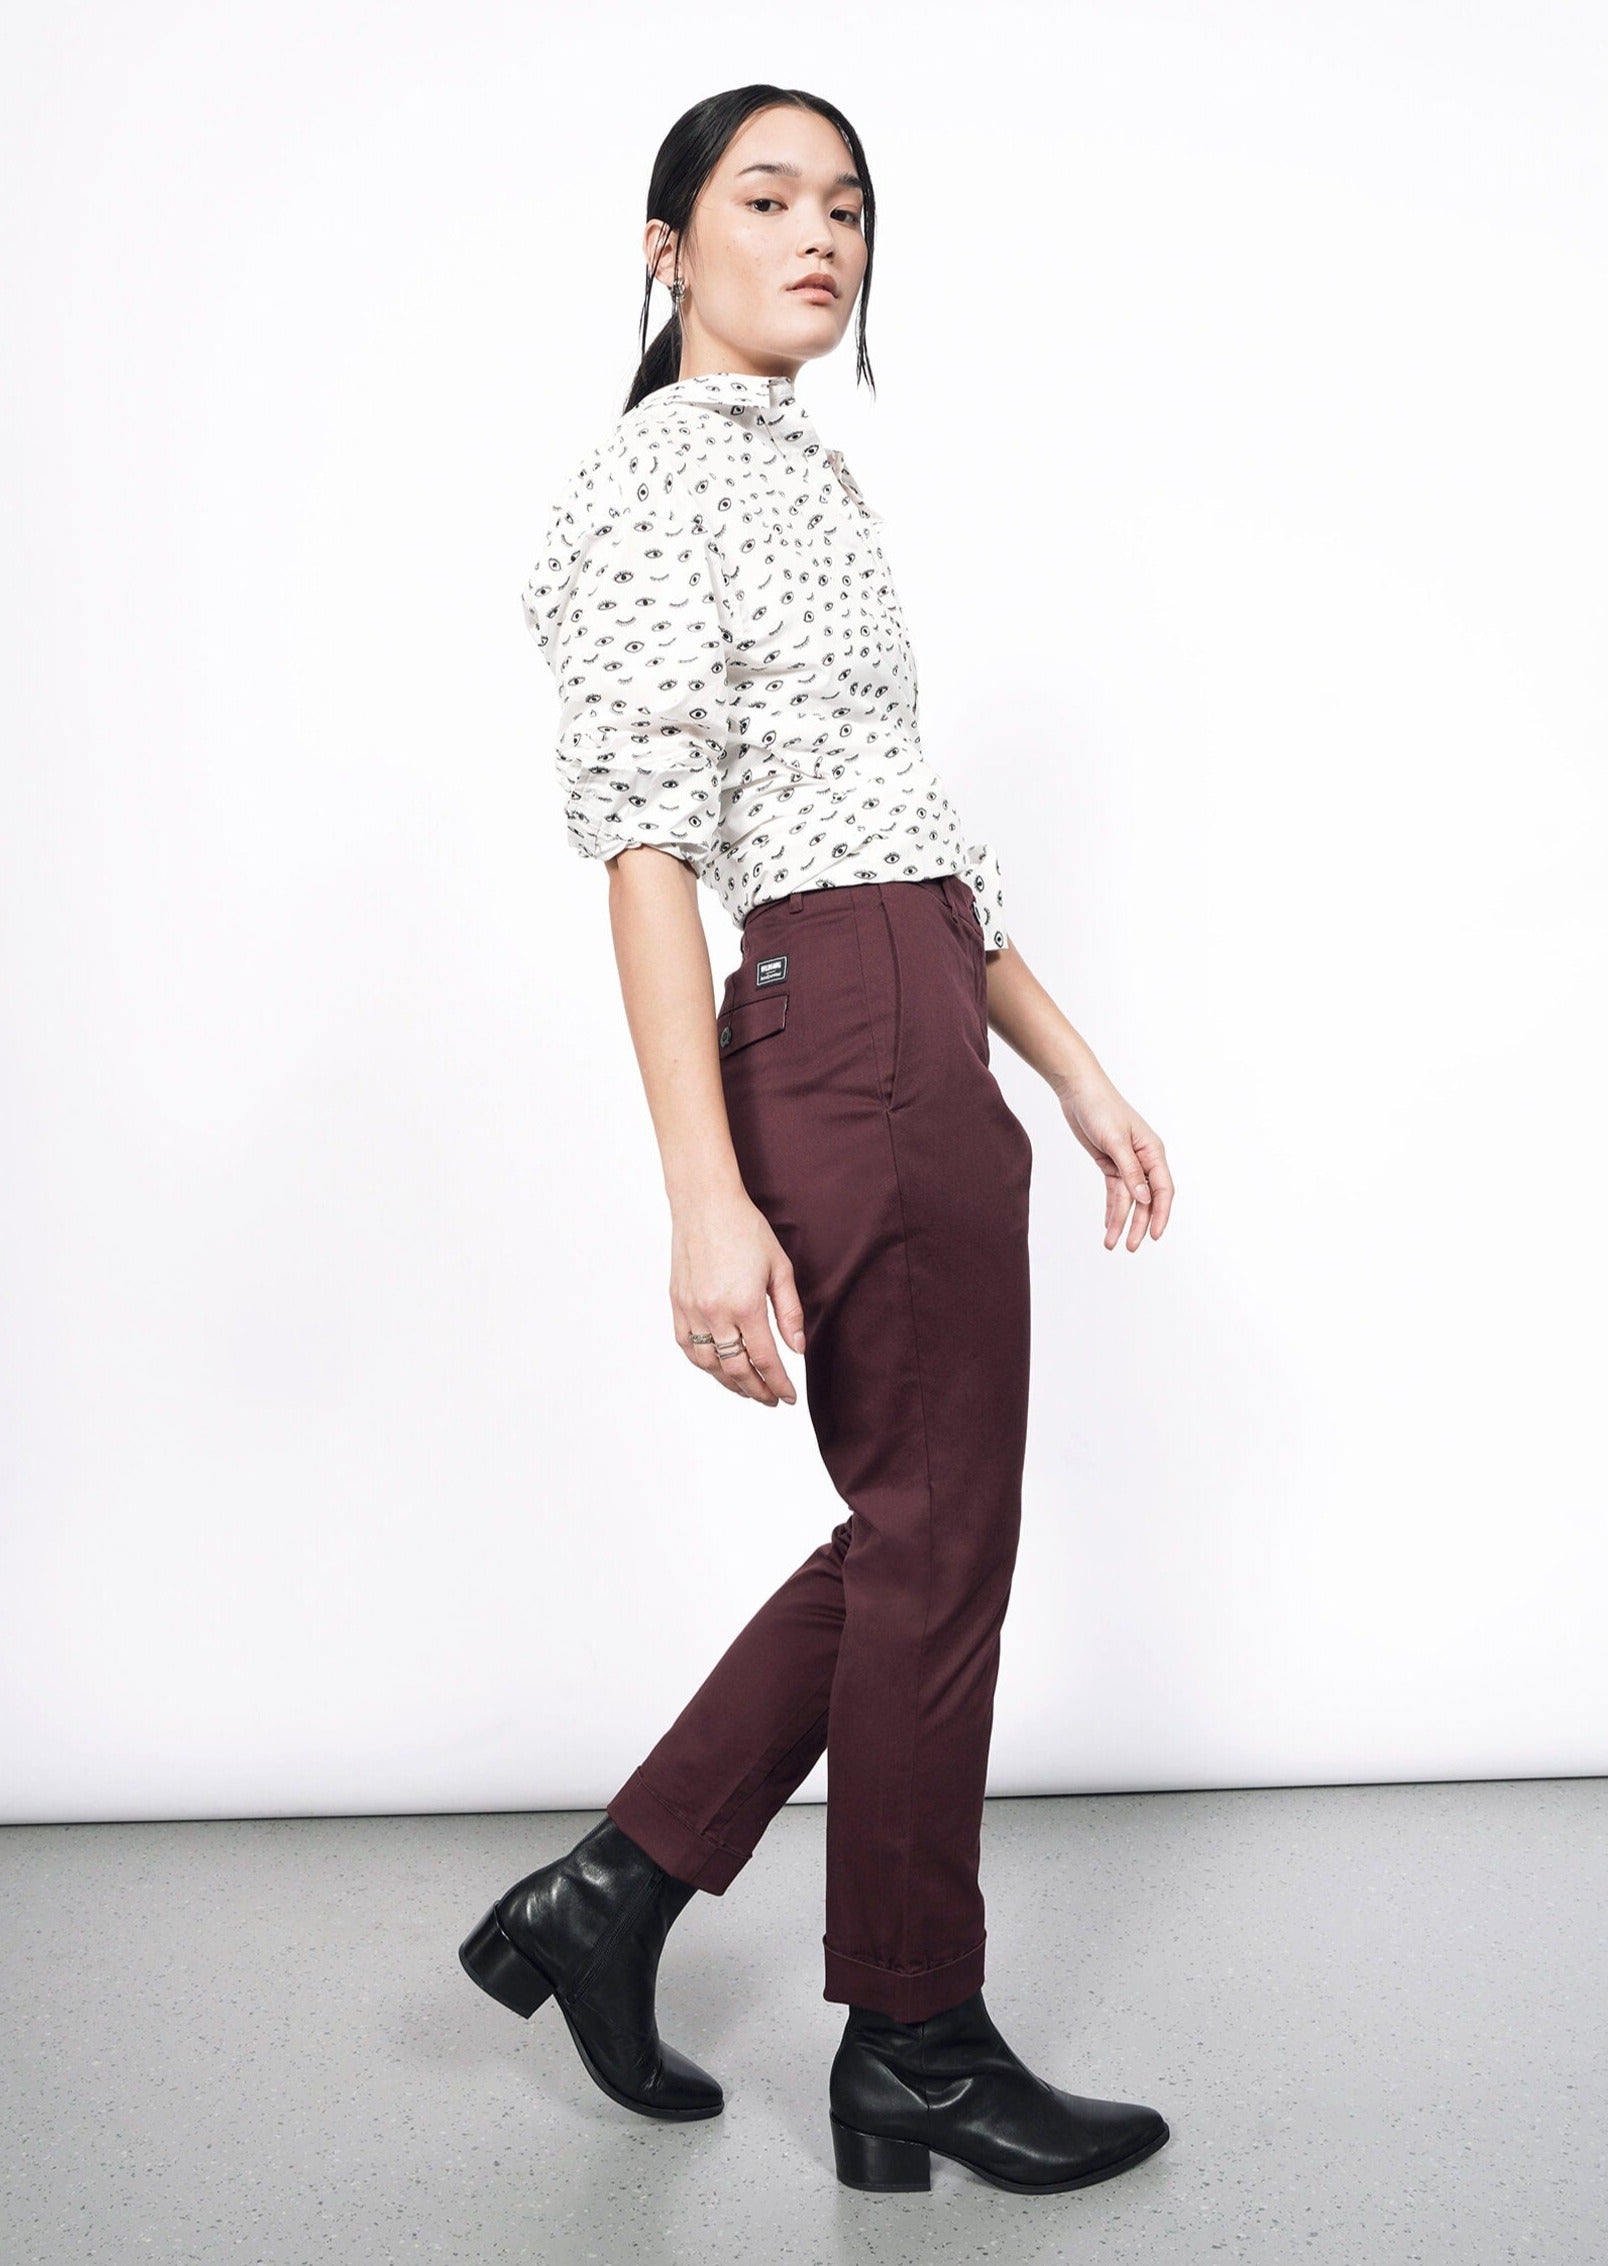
point(659, 249)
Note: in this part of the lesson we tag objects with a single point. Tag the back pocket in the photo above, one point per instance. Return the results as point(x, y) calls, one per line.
point(754, 1019)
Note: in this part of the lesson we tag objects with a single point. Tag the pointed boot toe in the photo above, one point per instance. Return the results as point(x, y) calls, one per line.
point(1121, 2131)
point(636, 2068)
point(588, 1931)
point(951, 2085)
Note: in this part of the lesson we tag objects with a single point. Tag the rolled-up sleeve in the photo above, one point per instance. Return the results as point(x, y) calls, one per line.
point(988, 889)
point(627, 606)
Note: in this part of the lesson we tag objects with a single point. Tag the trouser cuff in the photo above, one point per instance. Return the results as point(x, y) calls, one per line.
point(899, 1993)
point(684, 1852)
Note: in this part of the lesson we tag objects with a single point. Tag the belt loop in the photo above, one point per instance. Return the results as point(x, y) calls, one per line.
point(796, 899)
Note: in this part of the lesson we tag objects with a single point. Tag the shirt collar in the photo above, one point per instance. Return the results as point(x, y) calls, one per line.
point(770, 402)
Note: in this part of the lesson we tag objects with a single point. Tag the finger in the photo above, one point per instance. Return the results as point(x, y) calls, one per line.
point(1148, 1159)
point(683, 1325)
point(1132, 1172)
point(787, 1303)
point(691, 1325)
point(730, 1365)
point(768, 1379)
point(1161, 1191)
point(1116, 1206)
point(1136, 1190)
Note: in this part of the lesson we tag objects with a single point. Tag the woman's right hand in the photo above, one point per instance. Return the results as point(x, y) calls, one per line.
point(725, 1261)
point(725, 1258)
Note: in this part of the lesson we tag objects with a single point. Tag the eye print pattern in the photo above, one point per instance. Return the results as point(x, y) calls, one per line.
point(735, 677)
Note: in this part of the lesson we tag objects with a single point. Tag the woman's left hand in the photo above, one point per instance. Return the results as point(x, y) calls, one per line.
point(1128, 1153)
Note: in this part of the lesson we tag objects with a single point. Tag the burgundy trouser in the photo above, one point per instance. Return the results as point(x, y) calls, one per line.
point(870, 1131)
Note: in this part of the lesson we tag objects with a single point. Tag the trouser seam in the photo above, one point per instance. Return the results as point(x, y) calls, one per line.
point(782, 1752)
point(870, 1018)
point(703, 1833)
point(926, 1458)
point(898, 999)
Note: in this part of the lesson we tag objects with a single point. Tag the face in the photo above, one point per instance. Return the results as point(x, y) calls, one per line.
point(778, 208)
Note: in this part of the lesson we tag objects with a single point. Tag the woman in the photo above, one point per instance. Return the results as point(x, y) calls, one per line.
point(739, 706)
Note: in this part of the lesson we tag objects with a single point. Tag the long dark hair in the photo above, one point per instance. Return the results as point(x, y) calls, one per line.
point(687, 156)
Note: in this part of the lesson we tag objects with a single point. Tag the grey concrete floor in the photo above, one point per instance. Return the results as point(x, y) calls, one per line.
point(1374, 2017)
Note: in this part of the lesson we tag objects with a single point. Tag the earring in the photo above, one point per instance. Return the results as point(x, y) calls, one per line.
point(676, 290)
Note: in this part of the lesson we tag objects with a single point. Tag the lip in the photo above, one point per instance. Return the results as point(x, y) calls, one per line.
point(815, 287)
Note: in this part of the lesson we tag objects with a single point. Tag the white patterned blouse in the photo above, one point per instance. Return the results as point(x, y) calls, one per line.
point(735, 677)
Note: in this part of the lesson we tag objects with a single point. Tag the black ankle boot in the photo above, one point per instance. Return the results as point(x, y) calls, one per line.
point(951, 2083)
point(588, 1930)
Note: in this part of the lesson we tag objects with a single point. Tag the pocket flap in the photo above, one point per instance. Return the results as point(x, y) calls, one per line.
point(754, 1019)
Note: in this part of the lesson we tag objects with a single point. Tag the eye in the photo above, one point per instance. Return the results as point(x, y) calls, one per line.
point(850, 213)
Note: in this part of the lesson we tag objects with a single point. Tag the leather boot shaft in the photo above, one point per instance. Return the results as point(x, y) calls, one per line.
point(604, 1899)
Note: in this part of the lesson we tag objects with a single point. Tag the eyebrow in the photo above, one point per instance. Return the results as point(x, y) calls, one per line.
point(796, 173)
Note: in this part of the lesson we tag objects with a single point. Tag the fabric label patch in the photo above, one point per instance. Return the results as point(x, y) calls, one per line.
point(772, 971)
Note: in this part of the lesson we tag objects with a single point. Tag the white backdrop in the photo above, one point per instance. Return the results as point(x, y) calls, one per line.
point(350, 1465)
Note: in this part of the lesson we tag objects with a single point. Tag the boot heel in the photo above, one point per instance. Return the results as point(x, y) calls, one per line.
point(887, 2167)
point(503, 1970)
